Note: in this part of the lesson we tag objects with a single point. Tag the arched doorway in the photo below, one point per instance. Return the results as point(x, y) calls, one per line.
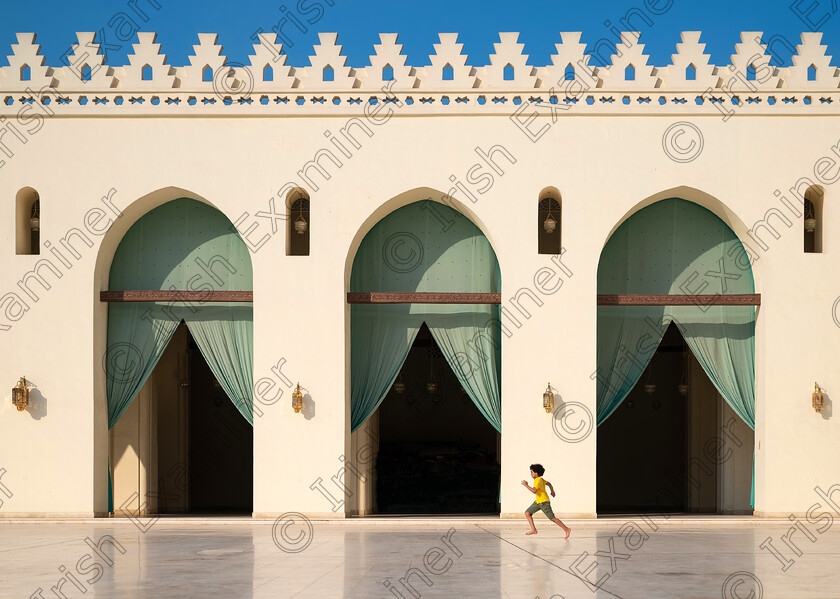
point(676, 364)
point(425, 364)
point(178, 364)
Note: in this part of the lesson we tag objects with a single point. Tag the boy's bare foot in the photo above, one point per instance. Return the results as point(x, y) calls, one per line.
point(531, 532)
point(568, 532)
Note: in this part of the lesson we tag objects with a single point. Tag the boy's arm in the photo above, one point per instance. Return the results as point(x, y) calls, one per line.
point(550, 488)
point(529, 487)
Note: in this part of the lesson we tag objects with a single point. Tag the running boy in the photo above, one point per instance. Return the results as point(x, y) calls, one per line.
point(541, 501)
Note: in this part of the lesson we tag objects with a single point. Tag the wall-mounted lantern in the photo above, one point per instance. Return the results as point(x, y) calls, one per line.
point(20, 395)
point(817, 398)
point(548, 399)
point(297, 399)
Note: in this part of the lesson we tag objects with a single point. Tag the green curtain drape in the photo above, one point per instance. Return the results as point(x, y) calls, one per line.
point(183, 245)
point(225, 336)
point(138, 333)
point(425, 246)
point(470, 339)
point(676, 247)
point(380, 339)
point(627, 339)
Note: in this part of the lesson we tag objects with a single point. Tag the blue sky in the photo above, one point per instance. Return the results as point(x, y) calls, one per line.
point(478, 22)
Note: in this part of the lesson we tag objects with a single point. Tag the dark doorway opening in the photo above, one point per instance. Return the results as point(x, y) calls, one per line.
point(437, 453)
point(205, 446)
point(643, 445)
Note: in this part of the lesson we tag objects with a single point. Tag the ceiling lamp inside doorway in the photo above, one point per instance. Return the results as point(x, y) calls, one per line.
point(683, 386)
point(431, 385)
point(399, 386)
point(650, 386)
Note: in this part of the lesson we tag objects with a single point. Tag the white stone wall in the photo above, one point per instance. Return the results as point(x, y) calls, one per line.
point(607, 161)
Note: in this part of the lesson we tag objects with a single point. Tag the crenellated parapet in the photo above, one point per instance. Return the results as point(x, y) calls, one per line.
point(615, 79)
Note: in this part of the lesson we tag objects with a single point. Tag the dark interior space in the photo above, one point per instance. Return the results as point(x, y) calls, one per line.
point(438, 454)
point(643, 445)
point(217, 476)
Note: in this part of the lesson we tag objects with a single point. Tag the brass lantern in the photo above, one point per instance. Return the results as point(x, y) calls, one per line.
point(810, 218)
point(301, 224)
point(817, 398)
point(297, 399)
point(549, 224)
point(399, 386)
point(20, 395)
point(650, 385)
point(548, 400)
point(35, 216)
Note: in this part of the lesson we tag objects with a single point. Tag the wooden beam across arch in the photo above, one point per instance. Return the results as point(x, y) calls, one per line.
point(429, 297)
point(603, 300)
point(176, 296)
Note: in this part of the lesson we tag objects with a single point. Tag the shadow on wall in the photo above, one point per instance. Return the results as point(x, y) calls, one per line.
point(37, 407)
point(826, 411)
point(308, 409)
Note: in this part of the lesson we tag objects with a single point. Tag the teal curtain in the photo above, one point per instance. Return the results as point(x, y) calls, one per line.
point(138, 333)
point(469, 337)
point(225, 336)
point(183, 245)
point(627, 339)
point(676, 247)
point(723, 341)
point(380, 339)
point(425, 246)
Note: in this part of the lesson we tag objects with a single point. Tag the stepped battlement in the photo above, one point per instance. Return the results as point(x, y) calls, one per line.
point(626, 81)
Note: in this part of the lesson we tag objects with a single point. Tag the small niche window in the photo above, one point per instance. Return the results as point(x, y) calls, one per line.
point(86, 73)
point(690, 73)
point(207, 74)
point(570, 72)
point(448, 73)
point(25, 73)
point(508, 74)
point(814, 220)
point(329, 74)
point(387, 73)
point(812, 73)
point(549, 218)
point(28, 222)
point(751, 73)
point(630, 73)
point(268, 73)
point(297, 235)
point(146, 73)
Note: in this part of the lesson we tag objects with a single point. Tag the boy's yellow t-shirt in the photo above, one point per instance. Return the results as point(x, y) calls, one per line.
point(541, 495)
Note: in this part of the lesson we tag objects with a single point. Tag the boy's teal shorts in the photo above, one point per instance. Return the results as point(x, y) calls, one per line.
point(545, 506)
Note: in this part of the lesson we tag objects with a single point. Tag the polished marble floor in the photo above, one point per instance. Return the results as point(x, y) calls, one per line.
point(487, 559)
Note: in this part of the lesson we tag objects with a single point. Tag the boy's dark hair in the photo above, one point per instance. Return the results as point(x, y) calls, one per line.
point(538, 468)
